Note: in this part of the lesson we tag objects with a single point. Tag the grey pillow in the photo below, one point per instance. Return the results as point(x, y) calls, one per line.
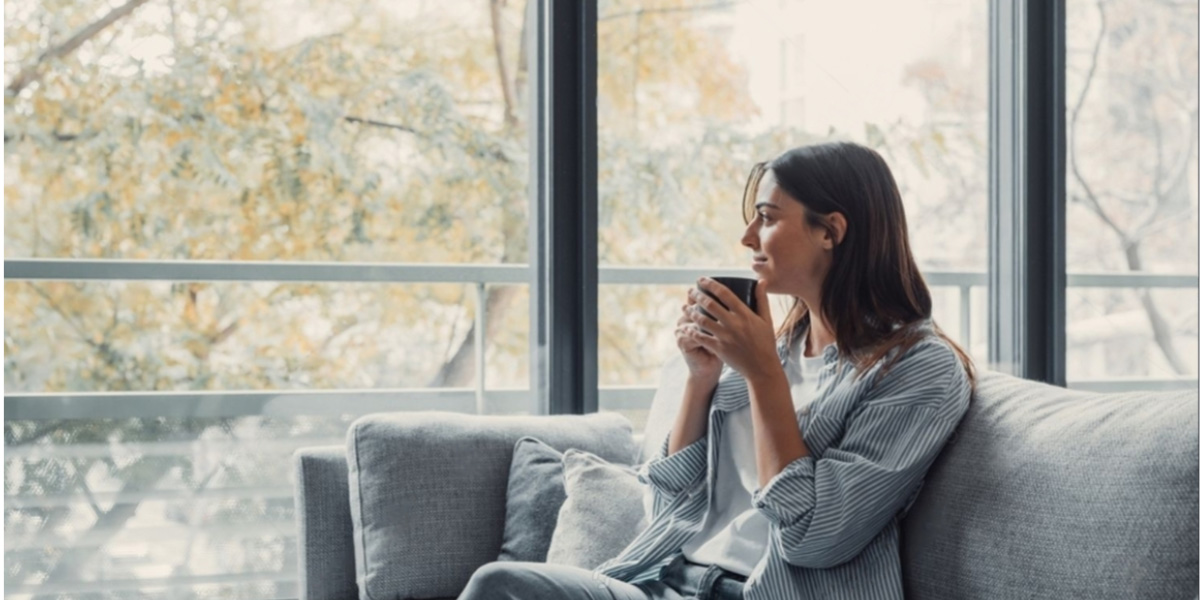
point(602, 514)
point(535, 493)
point(427, 491)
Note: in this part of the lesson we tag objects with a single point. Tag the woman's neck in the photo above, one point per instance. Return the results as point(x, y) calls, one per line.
point(819, 336)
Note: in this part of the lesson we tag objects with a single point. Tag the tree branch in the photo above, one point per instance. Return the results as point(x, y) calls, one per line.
point(108, 524)
point(486, 153)
point(81, 482)
point(1088, 194)
point(384, 124)
point(1131, 243)
point(669, 9)
point(32, 72)
point(506, 82)
point(523, 56)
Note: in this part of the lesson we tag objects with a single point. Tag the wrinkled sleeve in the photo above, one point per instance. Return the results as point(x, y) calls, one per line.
point(665, 477)
point(669, 476)
point(825, 511)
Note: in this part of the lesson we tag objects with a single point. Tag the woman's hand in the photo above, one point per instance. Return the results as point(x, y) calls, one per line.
point(737, 336)
point(702, 364)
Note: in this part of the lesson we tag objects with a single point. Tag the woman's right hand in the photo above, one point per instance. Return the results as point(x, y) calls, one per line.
point(702, 364)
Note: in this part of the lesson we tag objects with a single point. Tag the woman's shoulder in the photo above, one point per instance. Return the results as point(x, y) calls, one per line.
point(930, 364)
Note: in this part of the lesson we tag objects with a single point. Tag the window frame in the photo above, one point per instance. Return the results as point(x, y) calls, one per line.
point(1027, 200)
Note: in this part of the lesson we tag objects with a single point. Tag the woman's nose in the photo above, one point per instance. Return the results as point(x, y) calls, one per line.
point(748, 239)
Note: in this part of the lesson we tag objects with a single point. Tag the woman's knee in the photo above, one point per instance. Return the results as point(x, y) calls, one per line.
point(497, 578)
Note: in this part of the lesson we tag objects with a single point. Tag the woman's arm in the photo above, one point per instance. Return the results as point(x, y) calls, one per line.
point(691, 423)
point(677, 465)
point(777, 438)
point(824, 512)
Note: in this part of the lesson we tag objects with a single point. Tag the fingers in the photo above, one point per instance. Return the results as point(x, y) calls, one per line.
point(693, 314)
point(724, 294)
point(688, 334)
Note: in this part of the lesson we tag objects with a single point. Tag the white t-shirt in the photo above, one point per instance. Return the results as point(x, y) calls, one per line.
point(735, 534)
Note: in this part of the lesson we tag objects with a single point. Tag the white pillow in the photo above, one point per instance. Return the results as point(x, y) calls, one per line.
point(602, 514)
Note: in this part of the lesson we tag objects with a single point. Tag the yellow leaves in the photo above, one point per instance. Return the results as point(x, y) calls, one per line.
point(449, 294)
point(298, 344)
point(939, 139)
point(191, 315)
point(309, 179)
point(197, 347)
point(173, 138)
point(170, 105)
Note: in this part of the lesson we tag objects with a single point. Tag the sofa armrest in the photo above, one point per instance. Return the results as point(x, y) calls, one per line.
point(326, 533)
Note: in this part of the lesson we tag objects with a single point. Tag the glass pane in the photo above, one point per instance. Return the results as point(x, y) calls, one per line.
point(1131, 188)
point(691, 97)
point(143, 506)
point(1120, 333)
point(265, 130)
point(164, 336)
point(294, 130)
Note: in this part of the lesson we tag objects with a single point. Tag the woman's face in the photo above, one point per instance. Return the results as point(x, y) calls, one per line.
point(790, 257)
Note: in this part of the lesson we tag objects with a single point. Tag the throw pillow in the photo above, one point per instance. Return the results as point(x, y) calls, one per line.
point(427, 490)
point(535, 493)
point(602, 514)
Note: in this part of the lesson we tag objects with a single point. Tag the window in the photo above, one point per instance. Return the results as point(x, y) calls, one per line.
point(227, 237)
point(1131, 191)
point(691, 97)
point(231, 228)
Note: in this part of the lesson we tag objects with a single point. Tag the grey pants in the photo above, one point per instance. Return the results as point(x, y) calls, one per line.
point(678, 580)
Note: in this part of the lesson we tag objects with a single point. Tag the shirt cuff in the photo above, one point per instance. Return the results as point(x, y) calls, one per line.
point(673, 474)
point(789, 494)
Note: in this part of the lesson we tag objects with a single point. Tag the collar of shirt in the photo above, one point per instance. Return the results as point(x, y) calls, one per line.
point(794, 352)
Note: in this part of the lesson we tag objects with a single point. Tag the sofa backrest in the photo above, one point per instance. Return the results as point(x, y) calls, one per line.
point(1051, 493)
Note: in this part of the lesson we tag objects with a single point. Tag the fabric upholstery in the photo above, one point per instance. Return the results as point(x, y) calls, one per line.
point(325, 532)
point(535, 494)
point(602, 514)
point(428, 489)
point(1051, 493)
point(1004, 512)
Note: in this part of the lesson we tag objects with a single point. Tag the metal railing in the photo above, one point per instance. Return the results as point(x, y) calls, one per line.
point(479, 399)
point(494, 401)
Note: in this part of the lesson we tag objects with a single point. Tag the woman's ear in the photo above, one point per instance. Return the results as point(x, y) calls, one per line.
point(835, 230)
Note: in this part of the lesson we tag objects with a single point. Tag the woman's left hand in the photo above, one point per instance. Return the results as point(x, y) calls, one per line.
point(743, 339)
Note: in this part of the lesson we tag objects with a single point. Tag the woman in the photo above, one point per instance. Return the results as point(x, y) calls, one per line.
point(795, 450)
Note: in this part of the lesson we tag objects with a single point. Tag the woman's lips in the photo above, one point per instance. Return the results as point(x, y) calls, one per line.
point(758, 263)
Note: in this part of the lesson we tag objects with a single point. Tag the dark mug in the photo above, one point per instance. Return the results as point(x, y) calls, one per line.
point(742, 287)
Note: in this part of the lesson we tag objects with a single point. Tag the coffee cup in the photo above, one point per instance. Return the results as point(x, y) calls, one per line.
point(742, 287)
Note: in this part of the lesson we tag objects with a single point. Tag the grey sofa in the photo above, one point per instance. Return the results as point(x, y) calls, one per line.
point(1041, 493)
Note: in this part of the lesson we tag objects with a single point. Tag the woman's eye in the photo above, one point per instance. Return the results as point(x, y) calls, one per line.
point(764, 217)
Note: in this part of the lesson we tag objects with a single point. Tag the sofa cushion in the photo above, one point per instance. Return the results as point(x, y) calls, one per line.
point(1051, 493)
point(427, 491)
point(602, 514)
point(535, 493)
point(672, 377)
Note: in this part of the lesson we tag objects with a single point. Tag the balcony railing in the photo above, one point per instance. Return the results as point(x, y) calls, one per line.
point(286, 403)
point(492, 401)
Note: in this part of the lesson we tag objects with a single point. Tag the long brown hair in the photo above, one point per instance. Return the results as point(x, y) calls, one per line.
point(874, 296)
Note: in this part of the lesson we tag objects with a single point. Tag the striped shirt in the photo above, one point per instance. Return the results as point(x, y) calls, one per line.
point(834, 514)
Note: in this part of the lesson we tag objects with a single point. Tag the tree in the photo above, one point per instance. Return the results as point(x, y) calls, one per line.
point(182, 129)
point(1131, 148)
